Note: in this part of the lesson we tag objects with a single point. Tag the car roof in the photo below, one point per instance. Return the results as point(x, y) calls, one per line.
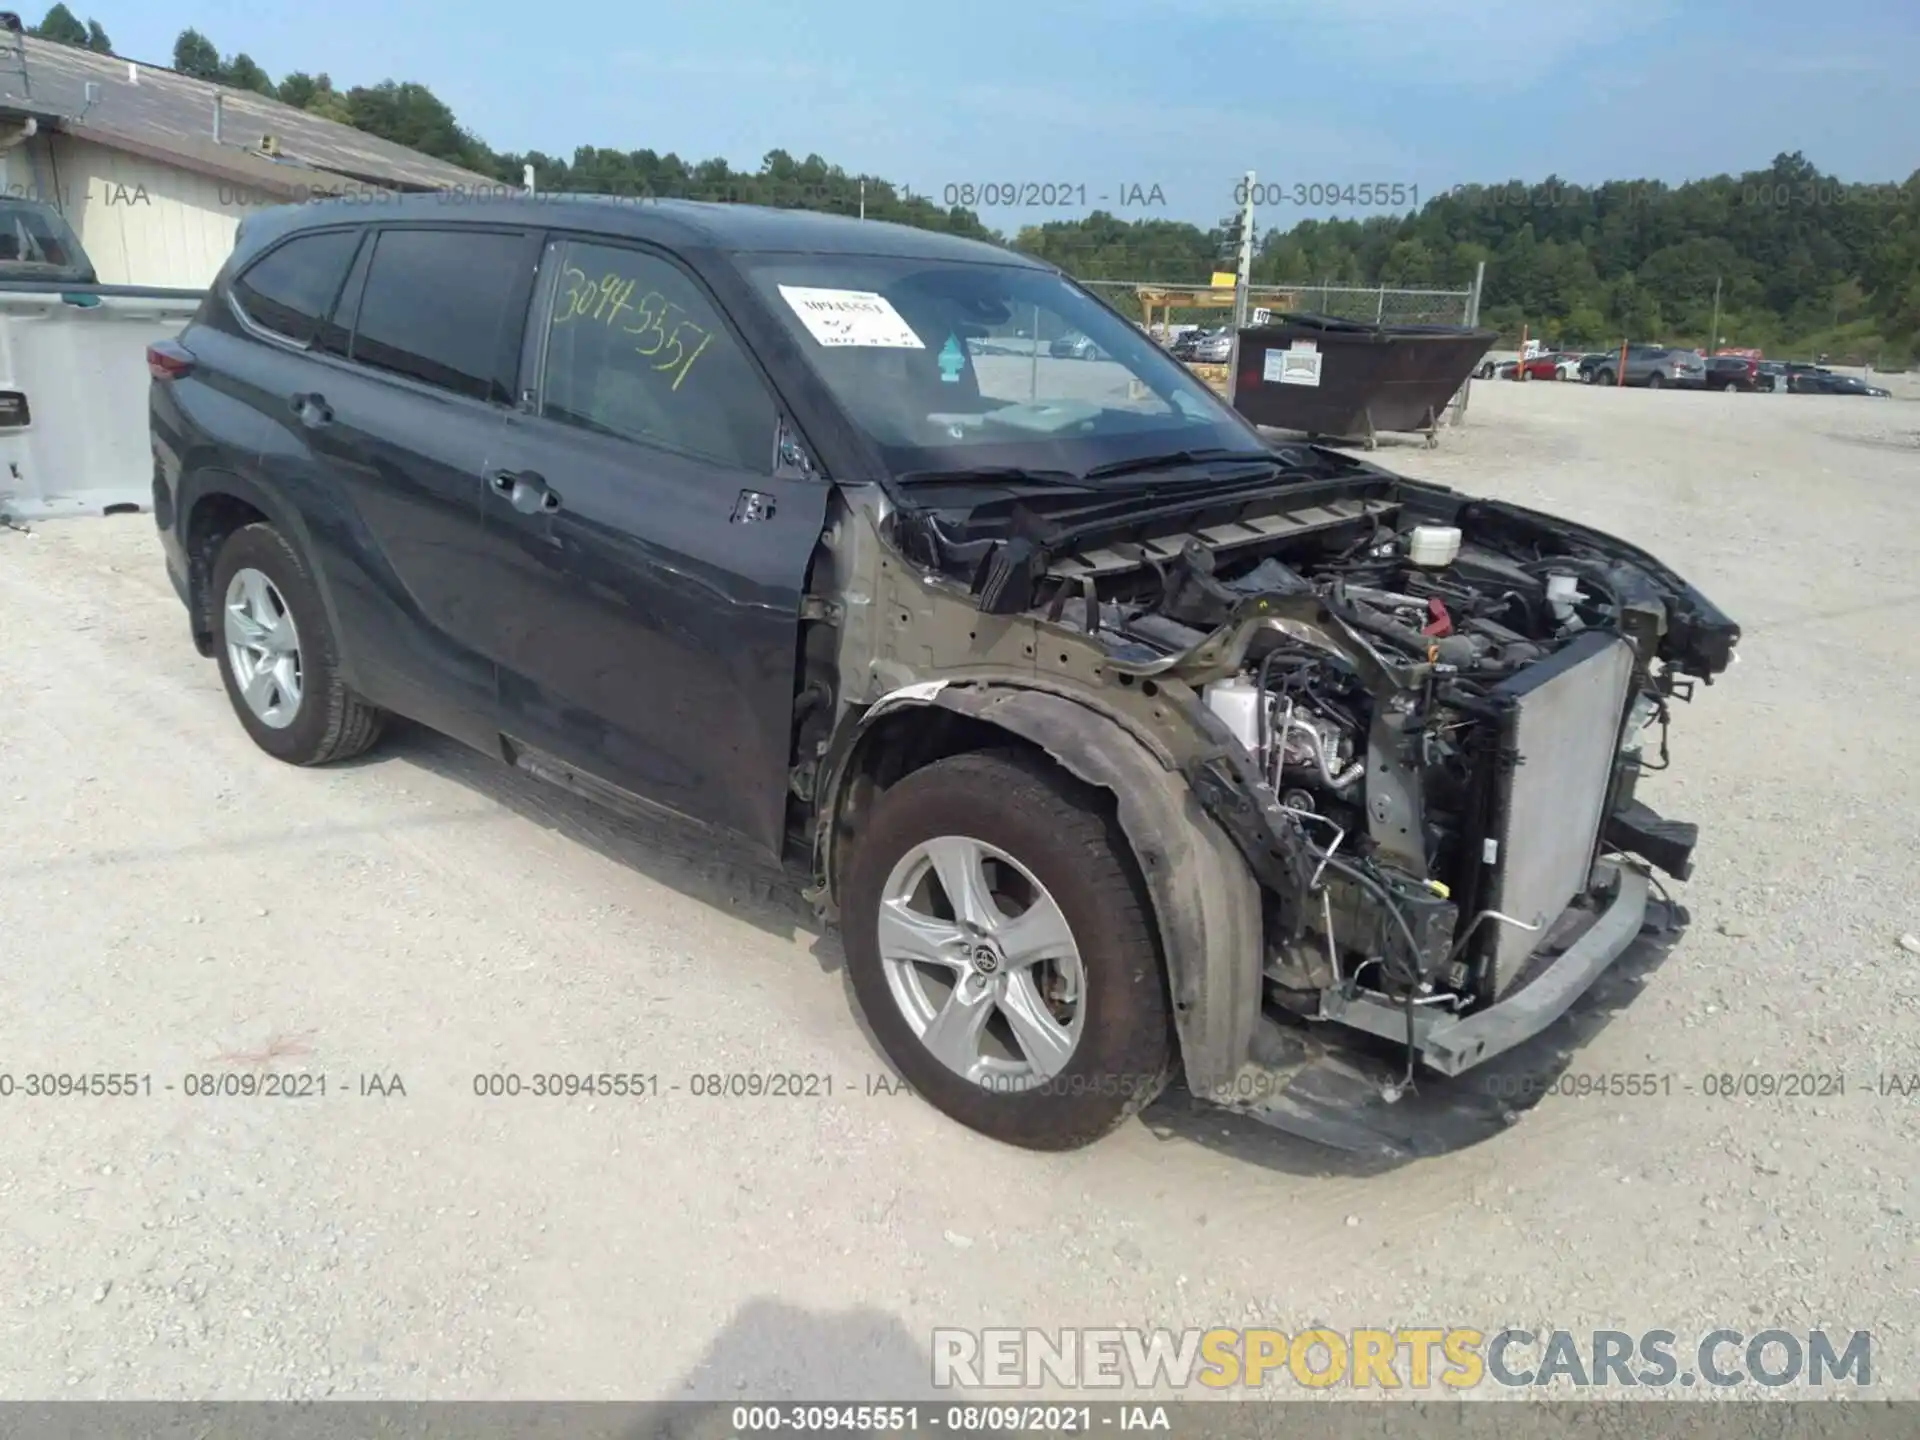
point(678, 224)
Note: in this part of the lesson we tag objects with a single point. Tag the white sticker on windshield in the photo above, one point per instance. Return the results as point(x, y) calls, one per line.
point(850, 317)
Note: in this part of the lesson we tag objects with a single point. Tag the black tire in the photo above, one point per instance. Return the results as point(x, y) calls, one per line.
point(1065, 837)
point(1603, 377)
point(1656, 381)
point(331, 722)
point(1730, 387)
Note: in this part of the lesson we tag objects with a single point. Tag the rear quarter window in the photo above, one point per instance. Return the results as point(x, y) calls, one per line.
point(291, 288)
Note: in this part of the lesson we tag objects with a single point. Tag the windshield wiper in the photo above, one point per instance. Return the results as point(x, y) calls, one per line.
point(1173, 459)
point(994, 475)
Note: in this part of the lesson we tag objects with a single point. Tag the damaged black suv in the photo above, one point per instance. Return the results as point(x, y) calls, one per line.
point(1119, 742)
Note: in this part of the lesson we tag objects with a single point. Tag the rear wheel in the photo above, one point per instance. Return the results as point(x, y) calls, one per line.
point(999, 946)
point(1656, 380)
point(1730, 387)
point(1603, 377)
point(277, 654)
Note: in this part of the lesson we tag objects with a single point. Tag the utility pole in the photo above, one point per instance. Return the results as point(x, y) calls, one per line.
point(1242, 279)
point(1473, 323)
point(1713, 335)
point(863, 199)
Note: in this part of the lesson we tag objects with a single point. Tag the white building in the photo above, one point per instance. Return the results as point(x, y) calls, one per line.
point(154, 169)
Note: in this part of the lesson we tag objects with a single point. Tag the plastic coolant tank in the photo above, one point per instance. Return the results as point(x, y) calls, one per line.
point(1563, 593)
point(1237, 702)
point(1433, 545)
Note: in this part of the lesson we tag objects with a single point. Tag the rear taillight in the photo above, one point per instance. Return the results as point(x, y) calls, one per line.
point(169, 360)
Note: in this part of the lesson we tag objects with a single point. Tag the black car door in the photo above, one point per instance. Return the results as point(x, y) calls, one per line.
point(396, 412)
point(650, 546)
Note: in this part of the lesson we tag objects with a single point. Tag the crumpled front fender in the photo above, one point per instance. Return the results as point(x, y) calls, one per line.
point(1205, 900)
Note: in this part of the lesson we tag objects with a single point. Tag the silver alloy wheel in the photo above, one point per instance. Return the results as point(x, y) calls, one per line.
point(263, 648)
point(982, 963)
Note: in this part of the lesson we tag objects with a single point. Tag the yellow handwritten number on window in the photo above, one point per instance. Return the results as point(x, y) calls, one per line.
point(604, 299)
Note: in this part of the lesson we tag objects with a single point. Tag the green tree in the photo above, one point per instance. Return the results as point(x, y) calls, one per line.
point(243, 74)
point(97, 40)
point(412, 115)
point(316, 95)
point(61, 26)
point(193, 54)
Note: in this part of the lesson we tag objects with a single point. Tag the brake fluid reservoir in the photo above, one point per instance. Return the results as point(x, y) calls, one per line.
point(1237, 702)
point(1433, 545)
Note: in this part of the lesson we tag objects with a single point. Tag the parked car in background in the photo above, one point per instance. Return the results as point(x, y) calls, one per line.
point(1798, 370)
point(708, 509)
point(37, 243)
point(1074, 347)
point(1770, 375)
point(1540, 367)
point(1654, 366)
point(1733, 372)
point(1185, 344)
point(1825, 382)
point(1215, 348)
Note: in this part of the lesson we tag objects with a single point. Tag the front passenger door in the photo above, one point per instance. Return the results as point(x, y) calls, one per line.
point(651, 552)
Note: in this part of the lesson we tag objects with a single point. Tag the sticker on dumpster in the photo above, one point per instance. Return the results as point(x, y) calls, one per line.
point(1291, 367)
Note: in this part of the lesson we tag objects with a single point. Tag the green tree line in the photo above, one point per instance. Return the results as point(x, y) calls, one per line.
point(1802, 261)
point(63, 27)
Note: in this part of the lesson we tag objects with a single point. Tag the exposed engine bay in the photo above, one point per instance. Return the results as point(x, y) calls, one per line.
point(1432, 711)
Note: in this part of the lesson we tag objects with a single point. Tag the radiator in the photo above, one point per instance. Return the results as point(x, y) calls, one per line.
point(1563, 723)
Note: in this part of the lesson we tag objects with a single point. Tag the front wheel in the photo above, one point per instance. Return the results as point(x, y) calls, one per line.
point(1603, 377)
point(999, 945)
point(1655, 381)
point(1730, 387)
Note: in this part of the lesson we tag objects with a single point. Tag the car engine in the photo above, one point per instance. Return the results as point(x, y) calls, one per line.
point(1432, 712)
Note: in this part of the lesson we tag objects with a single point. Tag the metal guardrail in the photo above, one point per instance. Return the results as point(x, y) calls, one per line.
point(64, 288)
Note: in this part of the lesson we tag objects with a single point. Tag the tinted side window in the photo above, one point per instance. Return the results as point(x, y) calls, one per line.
point(437, 307)
point(335, 334)
point(635, 349)
point(290, 289)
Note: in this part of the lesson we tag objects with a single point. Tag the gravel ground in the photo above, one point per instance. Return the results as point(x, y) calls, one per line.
point(173, 903)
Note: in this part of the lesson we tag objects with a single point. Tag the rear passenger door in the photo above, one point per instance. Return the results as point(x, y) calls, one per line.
point(652, 547)
point(415, 374)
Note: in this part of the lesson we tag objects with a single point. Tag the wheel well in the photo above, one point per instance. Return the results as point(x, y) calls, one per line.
point(1197, 889)
point(214, 517)
point(912, 739)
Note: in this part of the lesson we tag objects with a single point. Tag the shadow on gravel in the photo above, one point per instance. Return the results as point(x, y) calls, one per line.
point(772, 1350)
point(711, 868)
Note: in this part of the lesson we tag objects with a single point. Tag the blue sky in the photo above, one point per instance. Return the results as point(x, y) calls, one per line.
point(1115, 93)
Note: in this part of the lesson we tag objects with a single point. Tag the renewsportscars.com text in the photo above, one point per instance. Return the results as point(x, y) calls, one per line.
point(1446, 1358)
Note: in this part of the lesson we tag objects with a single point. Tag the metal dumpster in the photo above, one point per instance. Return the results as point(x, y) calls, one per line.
point(1348, 380)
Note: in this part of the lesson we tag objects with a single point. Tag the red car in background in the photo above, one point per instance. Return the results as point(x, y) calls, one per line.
point(1552, 366)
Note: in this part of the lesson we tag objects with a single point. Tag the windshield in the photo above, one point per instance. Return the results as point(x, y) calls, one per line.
point(951, 366)
point(36, 240)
